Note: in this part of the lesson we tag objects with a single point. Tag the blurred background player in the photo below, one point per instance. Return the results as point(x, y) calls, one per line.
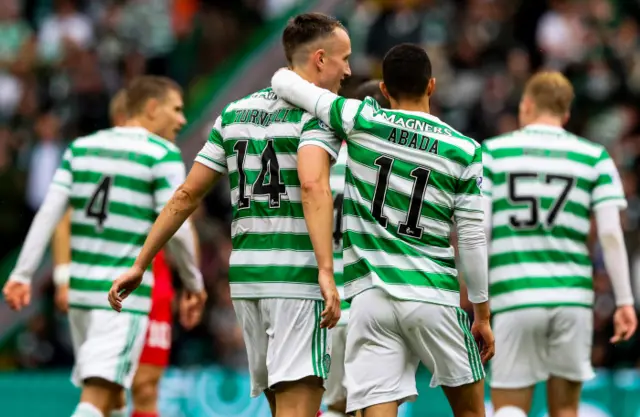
point(116, 181)
point(277, 284)
point(335, 395)
point(399, 264)
point(157, 348)
point(371, 88)
point(542, 184)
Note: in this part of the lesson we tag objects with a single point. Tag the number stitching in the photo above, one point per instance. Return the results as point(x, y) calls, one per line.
point(410, 226)
point(534, 202)
point(380, 191)
point(101, 195)
point(275, 189)
point(337, 216)
point(241, 149)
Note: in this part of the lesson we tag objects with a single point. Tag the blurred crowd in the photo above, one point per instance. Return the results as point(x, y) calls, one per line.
point(58, 67)
point(60, 63)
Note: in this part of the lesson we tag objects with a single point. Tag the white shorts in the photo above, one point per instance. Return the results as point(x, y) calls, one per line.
point(387, 338)
point(535, 343)
point(284, 340)
point(106, 344)
point(336, 390)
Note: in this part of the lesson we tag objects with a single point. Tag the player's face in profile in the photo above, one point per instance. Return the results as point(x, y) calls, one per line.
point(336, 60)
point(171, 116)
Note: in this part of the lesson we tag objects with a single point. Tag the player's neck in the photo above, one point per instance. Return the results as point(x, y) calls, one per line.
point(547, 120)
point(135, 122)
point(412, 105)
point(306, 75)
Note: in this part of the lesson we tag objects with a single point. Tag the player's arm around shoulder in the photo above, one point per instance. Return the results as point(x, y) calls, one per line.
point(337, 112)
point(317, 149)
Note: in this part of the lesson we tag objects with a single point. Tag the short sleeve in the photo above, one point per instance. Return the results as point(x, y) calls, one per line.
point(607, 189)
point(486, 183)
point(168, 174)
point(212, 154)
point(63, 178)
point(468, 198)
point(316, 133)
point(342, 115)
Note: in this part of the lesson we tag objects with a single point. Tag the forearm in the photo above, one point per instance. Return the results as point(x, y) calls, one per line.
point(61, 243)
point(42, 227)
point(294, 89)
point(317, 204)
point(614, 251)
point(472, 252)
point(181, 205)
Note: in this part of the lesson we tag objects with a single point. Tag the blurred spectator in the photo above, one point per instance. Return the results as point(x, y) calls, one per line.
point(44, 160)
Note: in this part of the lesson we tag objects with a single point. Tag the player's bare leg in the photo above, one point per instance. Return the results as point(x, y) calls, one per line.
point(563, 397)
point(389, 409)
point(144, 390)
point(271, 398)
point(511, 402)
point(120, 406)
point(338, 408)
point(98, 398)
point(466, 400)
point(299, 398)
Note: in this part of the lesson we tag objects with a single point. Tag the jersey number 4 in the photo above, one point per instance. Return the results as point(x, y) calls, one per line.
point(98, 206)
point(533, 217)
point(272, 188)
point(410, 226)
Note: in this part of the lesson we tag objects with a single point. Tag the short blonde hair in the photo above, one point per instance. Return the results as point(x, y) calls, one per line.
point(551, 92)
point(118, 106)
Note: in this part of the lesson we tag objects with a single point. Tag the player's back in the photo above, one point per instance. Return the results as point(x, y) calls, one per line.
point(119, 180)
point(544, 184)
point(255, 141)
point(408, 174)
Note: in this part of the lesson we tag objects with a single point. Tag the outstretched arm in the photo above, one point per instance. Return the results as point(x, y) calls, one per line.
point(181, 205)
point(337, 112)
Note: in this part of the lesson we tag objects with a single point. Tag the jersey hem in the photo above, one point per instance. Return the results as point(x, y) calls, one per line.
point(400, 298)
point(124, 310)
point(540, 305)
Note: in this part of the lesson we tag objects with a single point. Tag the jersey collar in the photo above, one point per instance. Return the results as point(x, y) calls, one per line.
point(550, 128)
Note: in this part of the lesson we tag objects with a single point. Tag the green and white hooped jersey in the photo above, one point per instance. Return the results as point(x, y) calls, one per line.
point(408, 176)
point(337, 189)
point(118, 181)
point(255, 141)
point(544, 184)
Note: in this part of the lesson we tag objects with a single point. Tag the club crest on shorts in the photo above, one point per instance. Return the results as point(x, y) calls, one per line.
point(323, 125)
point(326, 363)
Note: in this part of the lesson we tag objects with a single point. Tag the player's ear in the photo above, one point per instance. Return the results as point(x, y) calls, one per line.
point(151, 108)
point(319, 59)
point(565, 118)
point(431, 87)
point(384, 91)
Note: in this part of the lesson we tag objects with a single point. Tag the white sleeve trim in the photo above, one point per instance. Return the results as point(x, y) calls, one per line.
point(320, 144)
